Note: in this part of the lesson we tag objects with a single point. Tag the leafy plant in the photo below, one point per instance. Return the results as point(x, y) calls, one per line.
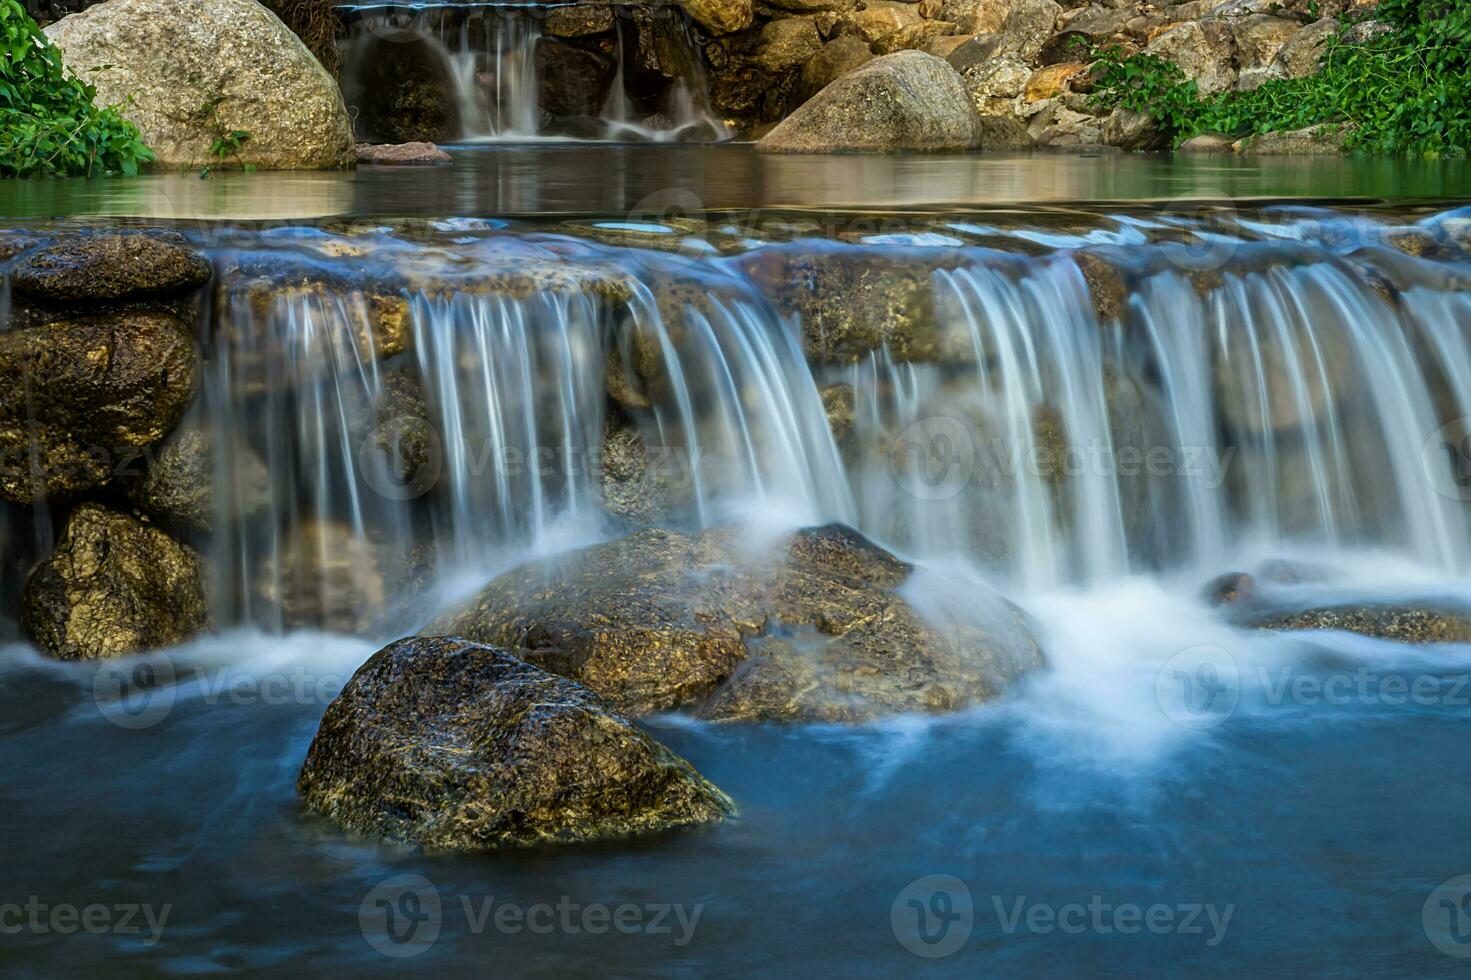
point(49, 125)
point(227, 142)
point(1406, 90)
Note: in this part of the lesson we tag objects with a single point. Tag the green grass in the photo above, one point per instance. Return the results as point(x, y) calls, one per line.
point(49, 125)
point(1407, 92)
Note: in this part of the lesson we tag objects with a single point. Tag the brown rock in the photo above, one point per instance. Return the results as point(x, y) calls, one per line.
point(106, 268)
point(1050, 82)
point(401, 155)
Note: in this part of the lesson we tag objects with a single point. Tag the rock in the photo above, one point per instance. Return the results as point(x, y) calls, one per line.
point(401, 155)
point(1129, 130)
point(1429, 623)
point(1207, 143)
point(573, 81)
point(1050, 82)
point(787, 43)
point(837, 57)
point(1002, 133)
point(112, 587)
point(977, 52)
point(878, 19)
point(1205, 51)
point(108, 268)
point(325, 575)
point(853, 301)
point(582, 19)
point(1231, 587)
point(403, 442)
point(944, 47)
point(179, 486)
point(1055, 125)
point(975, 16)
point(914, 37)
point(995, 86)
point(814, 6)
point(1028, 25)
point(1367, 30)
point(402, 91)
point(720, 16)
point(904, 101)
point(1301, 54)
point(634, 487)
point(79, 398)
point(815, 630)
point(456, 746)
point(838, 403)
point(1259, 38)
point(1323, 139)
point(187, 71)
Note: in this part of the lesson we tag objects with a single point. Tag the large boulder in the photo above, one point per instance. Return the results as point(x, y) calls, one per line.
point(1028, 25)
point(1204, 50)
point(836, 58)
point(904, 101)
point(109, 268)
point(189, 71)
point(456, 746)
point(80, 397)
point(112, 587)
point(813, 629)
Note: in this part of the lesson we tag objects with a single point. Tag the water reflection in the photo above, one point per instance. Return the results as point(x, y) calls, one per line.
point(584, 178)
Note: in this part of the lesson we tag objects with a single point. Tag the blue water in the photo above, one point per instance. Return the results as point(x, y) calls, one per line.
point(1313, 827)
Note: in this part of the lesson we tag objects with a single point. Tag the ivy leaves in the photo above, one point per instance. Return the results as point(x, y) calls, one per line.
point(49, 125)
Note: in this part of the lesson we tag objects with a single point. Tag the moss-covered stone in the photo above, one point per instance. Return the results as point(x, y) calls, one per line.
point(79, 397)
point(109, 268)
point(113, 586)
point(454, 745)
point(814, 629)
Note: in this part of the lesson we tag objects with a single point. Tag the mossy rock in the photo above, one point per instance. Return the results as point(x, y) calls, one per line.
point(110, 268)
point(453, 745)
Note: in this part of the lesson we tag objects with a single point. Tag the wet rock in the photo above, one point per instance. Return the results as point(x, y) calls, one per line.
point(403, 93)
point(403, 444)
point(1205, 51)
point(582, 19)
point(79, 398)
point(456, 746)
point(904, 101)
point(720, 16)
point(235, 67)
point(1325, 139)
point(853, 301)
point(401, 155)
point(838, 405)
point(1228, 588)
point(1399, 622)
point(325, 575)
point(110, 268)
point(814, 630)
point(112, 587)
point(837, 57)
point(636, 486)
point(1130, 130)
point(179, 486)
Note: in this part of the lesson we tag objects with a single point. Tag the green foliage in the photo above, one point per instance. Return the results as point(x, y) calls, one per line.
point(48, 123)
point(1405, 91)
point(226, 143)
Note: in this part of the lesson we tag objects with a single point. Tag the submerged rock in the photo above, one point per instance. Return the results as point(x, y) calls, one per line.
point(104, 268)
point(113, 586)
point(904, 101)
point(188, 71)
point(454, 745)
point(79, 398)
point(179, 486)
point(814, 630)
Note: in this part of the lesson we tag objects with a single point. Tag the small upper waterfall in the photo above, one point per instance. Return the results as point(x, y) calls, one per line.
point(483, 72)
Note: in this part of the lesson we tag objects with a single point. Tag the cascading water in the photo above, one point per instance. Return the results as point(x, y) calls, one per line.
point(488, 72)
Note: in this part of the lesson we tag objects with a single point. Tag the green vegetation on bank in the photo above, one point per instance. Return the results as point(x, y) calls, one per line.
point(1403, 91)
point(49, 125)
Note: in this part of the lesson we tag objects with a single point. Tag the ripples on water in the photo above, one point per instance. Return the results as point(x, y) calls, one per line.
point(1323, 822)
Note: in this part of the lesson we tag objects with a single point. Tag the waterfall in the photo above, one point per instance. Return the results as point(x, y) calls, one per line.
point(478, 72)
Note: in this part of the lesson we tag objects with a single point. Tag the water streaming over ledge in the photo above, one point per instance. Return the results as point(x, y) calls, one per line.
point(404, 410)
point(489, 62)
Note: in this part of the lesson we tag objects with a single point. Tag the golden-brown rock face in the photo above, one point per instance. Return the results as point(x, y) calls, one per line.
point(814, 630)
point(79, 397)
point(114, 586)
point(457, 746)
point(108, 268)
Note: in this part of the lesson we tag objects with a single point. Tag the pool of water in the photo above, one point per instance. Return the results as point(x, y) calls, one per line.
point(509, 180)
point(1302, 825)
